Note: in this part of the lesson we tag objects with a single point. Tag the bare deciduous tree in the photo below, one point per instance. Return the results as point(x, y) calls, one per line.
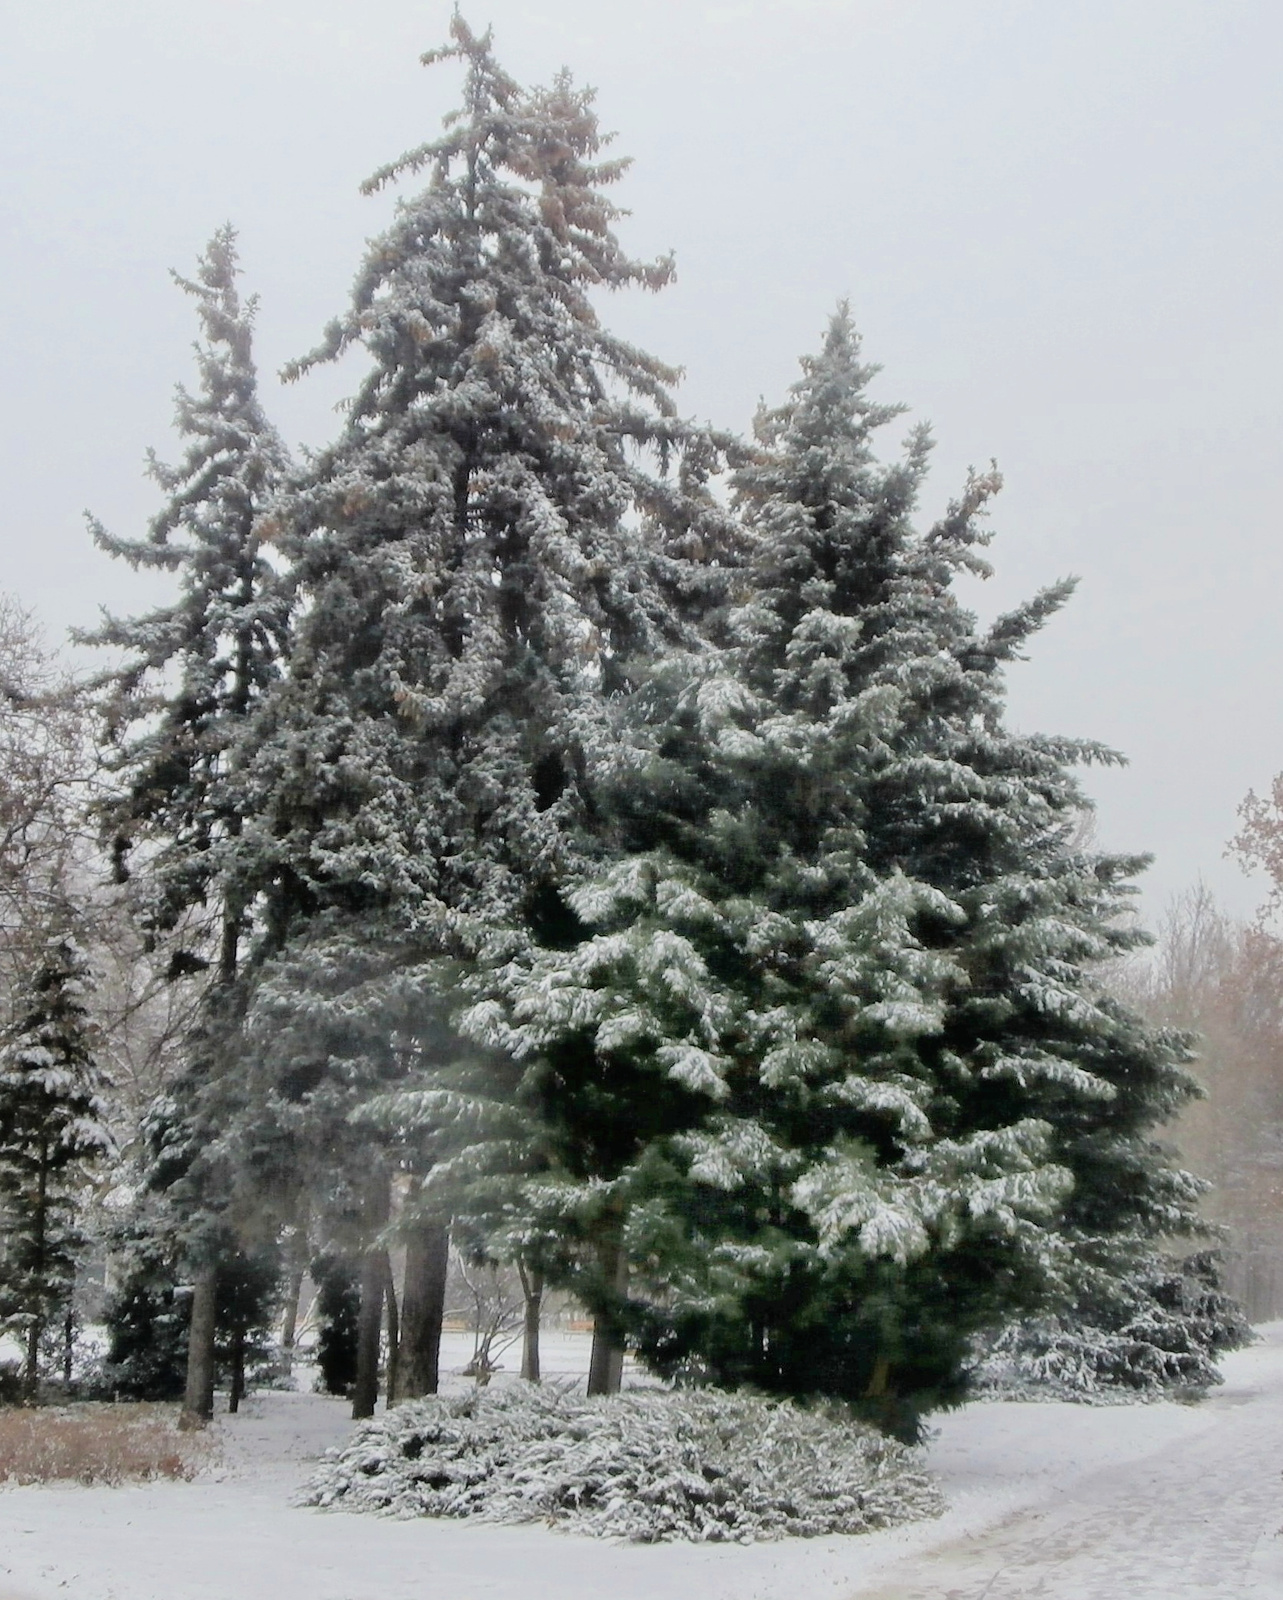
point(1223, 980)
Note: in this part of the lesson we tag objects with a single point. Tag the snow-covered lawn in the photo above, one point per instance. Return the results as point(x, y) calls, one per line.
point(1157, 1502)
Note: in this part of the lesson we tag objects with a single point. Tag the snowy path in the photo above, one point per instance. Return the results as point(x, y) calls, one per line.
point(1204, 1518)
point(1047, 1502)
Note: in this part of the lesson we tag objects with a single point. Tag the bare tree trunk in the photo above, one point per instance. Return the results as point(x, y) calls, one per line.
point(365, 1391)
point(394, 1328)
point(427, 1255)
point(289, 1319)
point(198, 1401)
point(606, 1363)
point(238, 1372)
point(297, 1258)
point(879, 1379)
point(532, 1289)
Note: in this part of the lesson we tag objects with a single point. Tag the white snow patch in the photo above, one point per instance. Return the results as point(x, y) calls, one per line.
point(1155, 1502)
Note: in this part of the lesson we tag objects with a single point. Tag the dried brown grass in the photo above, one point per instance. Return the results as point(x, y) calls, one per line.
point(97, 1443)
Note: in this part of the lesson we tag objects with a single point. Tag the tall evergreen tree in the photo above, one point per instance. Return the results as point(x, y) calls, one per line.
point(51, 1135)
point(192, 673)
point(512, 518)
point(854, 923)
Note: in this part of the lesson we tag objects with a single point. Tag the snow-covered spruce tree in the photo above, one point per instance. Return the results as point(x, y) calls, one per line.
point(511, 520)
point(191, 673)
point(51, 1135)
point(193, 669)
point(854, 923)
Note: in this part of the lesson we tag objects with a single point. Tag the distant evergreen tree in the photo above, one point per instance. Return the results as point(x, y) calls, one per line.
point(52, 1134)
point(148, 1313)
point(856, 926)
point(338, 1306)
point(249, 1289)
point(145, 1315)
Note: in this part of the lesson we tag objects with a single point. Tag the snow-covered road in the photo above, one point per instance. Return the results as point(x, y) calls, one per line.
point(1047, 1502)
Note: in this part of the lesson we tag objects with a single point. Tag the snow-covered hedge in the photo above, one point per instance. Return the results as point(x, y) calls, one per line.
point(644, 1465)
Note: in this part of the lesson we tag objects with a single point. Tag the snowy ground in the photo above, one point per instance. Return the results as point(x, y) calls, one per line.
point(1057, 1502)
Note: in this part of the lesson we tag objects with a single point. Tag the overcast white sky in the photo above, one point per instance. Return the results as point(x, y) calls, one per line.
point(1058, 224)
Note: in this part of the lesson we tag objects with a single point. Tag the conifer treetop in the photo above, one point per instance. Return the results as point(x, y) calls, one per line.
point(223, 624)
point(190, 670)
point(514, 189)
point(233, 450)
point(511, 523)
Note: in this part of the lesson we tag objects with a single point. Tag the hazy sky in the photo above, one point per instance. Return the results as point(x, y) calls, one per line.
point(1058, 225)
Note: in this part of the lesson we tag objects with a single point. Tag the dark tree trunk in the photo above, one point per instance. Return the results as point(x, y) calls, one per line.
point(427, 1255)
point(68, 1344)
point(879, 1379)
point(532, 1289)
point(606, 1364)
point(31, 1371)
point(31, 1367)
point(198, 1401)
point(365, 1391)
point(238, 1371)
point(394, 1328)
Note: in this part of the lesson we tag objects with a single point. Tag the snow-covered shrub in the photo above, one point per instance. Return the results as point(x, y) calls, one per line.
point(645, 1465)
point(1161, 1332)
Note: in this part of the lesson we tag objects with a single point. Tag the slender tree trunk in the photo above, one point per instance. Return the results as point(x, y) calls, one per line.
point(365, 1391)
point(297, 1259)
point(31, 1368)
point(879, 1384)
point(198, 1401)
point(31, 1373)
point(68, 1344)
point(532, 1289)
point(606, 1364)
point(289, 1319)
point(238, 1372)
point(427, 1255)
point(198, 1397)
point(394, 1327)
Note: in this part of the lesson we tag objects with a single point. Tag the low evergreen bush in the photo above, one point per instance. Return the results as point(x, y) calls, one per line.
point(1150, 1336)
point(646, 1465)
